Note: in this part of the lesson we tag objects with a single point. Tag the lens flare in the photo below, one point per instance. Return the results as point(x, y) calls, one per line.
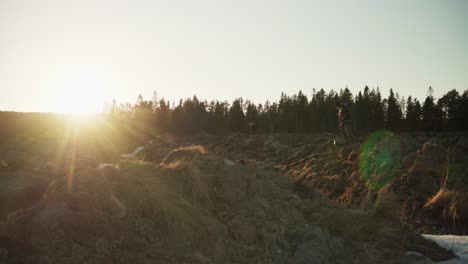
point(380, 159)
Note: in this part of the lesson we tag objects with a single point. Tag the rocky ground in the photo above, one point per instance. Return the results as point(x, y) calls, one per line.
point(232, 200)
point(428, 173)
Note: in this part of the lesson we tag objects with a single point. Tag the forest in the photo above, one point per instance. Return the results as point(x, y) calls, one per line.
point(299, 113)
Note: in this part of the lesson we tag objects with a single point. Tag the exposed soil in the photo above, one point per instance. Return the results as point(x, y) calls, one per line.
point(417, 167)
point(231, 200)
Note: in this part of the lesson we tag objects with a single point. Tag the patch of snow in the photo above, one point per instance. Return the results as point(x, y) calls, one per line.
point(229, 162)
point(417, 254)
point(132, 155)
point(103, 165)
point(458, 244)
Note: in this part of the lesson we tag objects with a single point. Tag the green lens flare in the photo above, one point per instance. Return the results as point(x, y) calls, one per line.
point(380, 159)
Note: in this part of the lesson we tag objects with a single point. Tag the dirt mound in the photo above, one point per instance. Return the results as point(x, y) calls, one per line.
point(69, 225)
point(208, 211)
point(195, 208)
point(431, 161)
point(416, 165)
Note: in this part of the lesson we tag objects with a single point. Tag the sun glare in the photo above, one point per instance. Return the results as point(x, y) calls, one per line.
point(81, 119)
point(79, 96)
point(77, 109)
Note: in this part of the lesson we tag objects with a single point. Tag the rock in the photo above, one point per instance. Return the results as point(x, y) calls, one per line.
point(228, 162)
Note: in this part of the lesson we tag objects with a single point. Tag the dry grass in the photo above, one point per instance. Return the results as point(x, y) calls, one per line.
point(193, 208)
point(184, 153)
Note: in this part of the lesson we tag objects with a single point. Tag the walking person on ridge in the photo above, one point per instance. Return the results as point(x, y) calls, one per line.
point(344, 120)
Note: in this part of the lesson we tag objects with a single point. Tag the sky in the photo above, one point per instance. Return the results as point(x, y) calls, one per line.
point(66, 56)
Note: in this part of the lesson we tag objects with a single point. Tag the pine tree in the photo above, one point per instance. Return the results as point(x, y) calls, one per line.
point(462, 122)
point(450, 106)
point(236, 116)
point(410, 115)
point(252, 116)
point(359, 112)
point(155, 100)
point(367, 110)
point(394, 112)
point(429, 111)
point(162, 117)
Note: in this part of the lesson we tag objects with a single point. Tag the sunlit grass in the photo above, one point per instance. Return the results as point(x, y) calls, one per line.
point(380, 159)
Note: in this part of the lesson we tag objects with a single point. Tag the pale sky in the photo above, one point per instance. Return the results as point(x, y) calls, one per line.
point(59, 55)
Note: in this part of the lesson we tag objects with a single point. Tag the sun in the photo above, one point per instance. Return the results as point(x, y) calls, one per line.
point(79, 97)
point(79, 107)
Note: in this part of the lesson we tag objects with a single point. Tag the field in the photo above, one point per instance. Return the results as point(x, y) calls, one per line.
point(237, 198)
point(233, 132)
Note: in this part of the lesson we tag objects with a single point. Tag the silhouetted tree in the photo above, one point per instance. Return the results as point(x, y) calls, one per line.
point(429, 111)
point(393, 112)
point(410, 115)
point(376, 110)
point(296, 113)
point(450, 105)
point(252, 116)
point(462, 122)
point(236, 116)
point(162, 115)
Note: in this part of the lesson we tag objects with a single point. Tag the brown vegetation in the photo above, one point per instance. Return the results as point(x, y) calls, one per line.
point(192, 206)
point(416, 166)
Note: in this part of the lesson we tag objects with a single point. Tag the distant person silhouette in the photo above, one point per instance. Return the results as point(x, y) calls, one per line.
point(344, 120)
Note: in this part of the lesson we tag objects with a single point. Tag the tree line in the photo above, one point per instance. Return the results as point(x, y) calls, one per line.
point(299, 113)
